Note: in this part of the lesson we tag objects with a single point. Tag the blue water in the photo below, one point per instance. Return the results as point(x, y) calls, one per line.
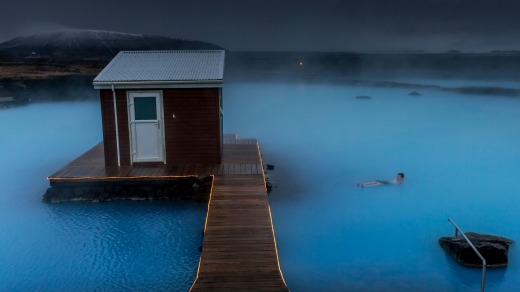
point(459, 153)
point(461, 157)
point(116, 246)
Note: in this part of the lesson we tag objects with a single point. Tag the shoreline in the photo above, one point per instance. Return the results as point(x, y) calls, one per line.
point(40, 80)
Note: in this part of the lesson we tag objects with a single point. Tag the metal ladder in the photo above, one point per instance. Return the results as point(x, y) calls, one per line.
point(457, 230)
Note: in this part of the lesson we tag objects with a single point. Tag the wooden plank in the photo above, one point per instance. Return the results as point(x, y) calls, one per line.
point(135, 171)
point(162, 171)
point(144, 171)
point(177, 170)
point(172, 170)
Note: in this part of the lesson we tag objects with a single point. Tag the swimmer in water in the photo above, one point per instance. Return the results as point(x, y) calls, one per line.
point(399, 179)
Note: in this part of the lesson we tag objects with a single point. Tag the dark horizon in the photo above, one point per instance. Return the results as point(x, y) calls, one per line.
point(306, 25)
point(513, 51)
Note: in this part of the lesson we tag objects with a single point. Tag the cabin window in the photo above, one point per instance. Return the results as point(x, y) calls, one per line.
point(145, 108)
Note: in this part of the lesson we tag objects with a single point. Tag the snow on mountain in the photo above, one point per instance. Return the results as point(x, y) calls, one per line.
point(77, 44)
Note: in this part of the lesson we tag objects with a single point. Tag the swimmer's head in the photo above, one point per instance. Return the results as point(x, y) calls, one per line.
point(400, 176)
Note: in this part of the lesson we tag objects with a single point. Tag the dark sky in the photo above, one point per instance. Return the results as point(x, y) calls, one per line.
point(321, 25)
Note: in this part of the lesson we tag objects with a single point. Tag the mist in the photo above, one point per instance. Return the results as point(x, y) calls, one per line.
point(322, 138)
point(326, 121)
point(484, 74)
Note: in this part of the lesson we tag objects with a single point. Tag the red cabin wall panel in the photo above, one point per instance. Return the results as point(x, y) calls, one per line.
point(109, 132)
point(193, 136)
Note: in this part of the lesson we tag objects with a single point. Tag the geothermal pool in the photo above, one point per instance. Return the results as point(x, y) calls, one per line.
point(461, 157)
point(116, 246)
point(459, 153)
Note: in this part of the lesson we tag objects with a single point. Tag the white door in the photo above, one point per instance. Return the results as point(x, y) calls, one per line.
point(146, 129)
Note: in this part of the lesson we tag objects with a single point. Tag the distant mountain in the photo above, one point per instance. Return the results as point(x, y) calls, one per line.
point(76, 44)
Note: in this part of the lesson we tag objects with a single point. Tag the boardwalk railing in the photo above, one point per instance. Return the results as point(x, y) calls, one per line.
point(457, 230)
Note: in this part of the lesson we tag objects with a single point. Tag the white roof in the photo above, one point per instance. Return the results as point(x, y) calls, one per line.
point(138, 69)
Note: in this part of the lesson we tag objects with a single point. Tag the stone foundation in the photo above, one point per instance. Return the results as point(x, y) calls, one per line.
point(193, 188)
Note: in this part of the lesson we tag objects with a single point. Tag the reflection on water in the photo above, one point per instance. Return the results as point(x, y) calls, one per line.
point(461, 160)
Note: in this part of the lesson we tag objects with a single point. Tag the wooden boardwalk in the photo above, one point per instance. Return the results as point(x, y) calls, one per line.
point(239, 250)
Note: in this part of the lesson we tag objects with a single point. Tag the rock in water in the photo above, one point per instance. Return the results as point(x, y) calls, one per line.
point(493, 248)
point(414, 93)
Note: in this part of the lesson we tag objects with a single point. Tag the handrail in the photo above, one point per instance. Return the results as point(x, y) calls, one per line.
point(457, 229)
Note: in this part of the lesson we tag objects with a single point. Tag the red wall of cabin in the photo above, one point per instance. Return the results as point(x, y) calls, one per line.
point(109, 133)
point(193, 136)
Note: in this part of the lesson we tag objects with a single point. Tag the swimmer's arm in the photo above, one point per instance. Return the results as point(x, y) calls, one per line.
point(370, 183)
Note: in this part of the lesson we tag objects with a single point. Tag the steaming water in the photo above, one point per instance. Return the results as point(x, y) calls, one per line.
point(121, 246)
point(459, 152)
point(461, 157)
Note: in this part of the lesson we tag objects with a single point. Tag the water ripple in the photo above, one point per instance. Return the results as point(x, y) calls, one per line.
point(130, 246)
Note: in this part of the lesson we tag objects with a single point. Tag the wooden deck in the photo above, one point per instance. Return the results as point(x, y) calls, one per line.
point(239, 250)
point(240, 156)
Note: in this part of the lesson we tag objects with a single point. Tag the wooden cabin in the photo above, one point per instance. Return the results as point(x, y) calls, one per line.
point(162, 107)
